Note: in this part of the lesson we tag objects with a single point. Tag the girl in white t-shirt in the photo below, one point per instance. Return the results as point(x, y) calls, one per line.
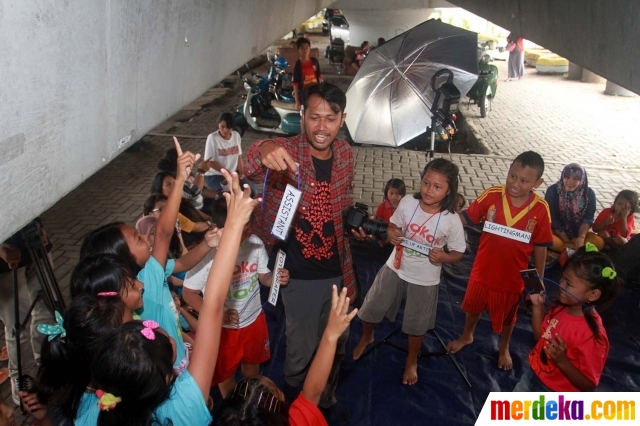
point(420, 227)
point(244, 342)
point(223, 150)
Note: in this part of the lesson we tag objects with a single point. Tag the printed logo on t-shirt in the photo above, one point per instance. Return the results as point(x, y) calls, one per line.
point(234, 150)
point(314, 244)
point(244, 281)
point(531, 224)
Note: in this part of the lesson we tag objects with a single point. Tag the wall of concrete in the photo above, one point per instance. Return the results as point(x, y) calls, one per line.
point(371, 19)
point(597, 35)
point(79, 76)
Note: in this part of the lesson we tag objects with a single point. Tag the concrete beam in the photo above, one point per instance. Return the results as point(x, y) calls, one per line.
point(598, 35)
point(79, 77)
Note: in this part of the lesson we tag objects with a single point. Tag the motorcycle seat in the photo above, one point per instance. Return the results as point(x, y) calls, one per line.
point(289, 106)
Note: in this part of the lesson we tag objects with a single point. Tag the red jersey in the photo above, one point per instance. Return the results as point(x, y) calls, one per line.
point(385, 211)
point(614, 228)
point(583, 350)
point(304, 413)
point(500, 259)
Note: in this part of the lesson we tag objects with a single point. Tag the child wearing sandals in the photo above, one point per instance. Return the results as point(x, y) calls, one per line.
point(419, 229)
point(572, 344)
point(245, 337)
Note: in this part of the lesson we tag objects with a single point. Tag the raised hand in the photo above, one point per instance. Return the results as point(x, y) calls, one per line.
point(186, 161)
point(276, 157)
point(339, 317)
point(239, 201)
point(212, 237)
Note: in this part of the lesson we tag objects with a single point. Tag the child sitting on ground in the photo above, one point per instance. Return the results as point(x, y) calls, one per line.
point(517, 222)
point(615, 224)
point(394, 190)
point(572, 344)
point(419, 229)
point(244, 341)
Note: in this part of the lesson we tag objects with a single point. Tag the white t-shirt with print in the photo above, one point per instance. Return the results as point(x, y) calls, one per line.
point(420, 226)
point(244, 292)
point(225, 152)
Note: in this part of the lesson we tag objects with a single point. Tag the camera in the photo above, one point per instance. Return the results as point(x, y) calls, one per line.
point(358, 217)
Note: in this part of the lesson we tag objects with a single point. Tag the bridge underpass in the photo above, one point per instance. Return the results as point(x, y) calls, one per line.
point(83, 81)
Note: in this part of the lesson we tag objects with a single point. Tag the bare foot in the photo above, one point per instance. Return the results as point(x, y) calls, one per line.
point(410, 376)
point(458, 344)
point(362, 345)
point(504, 361)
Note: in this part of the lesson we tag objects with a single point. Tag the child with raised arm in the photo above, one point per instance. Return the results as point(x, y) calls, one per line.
point(258, 401)
point(517, 223)
point(615, 224)
point(419, 229)
point(244, 342)
point(132, 372)
point(572, 344)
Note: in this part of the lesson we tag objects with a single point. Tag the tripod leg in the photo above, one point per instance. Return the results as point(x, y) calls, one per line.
point(444, 346)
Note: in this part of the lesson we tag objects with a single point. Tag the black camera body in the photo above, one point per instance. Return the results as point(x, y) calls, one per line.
point(358, 217)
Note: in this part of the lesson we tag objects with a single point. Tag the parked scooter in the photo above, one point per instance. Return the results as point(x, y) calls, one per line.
point(263, 113)
point(484, 90)
point(278, 80)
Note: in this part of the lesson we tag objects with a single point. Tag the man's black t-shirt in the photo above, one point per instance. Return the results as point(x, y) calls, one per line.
point(312, 249)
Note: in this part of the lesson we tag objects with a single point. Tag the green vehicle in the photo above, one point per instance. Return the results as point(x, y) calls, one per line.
point(484, 91)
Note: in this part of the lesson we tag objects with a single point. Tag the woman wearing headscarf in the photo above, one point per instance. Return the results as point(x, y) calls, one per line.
point(572, 205)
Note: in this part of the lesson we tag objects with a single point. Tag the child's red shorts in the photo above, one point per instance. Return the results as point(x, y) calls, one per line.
point(503, 306)
point(247, 345)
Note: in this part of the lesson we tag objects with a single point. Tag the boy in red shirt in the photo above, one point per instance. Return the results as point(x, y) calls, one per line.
point(517, 222)
point(306, 71)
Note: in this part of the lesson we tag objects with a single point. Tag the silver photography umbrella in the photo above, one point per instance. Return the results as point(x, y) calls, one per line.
point(390, 98)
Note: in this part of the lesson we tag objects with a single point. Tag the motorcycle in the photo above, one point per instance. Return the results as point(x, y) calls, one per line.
point(484, 90)
point(264, 113)
point(277, 79)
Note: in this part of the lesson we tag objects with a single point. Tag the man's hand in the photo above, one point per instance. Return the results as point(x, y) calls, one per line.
point(360, 235)
point(276, 157)
point(10, 254)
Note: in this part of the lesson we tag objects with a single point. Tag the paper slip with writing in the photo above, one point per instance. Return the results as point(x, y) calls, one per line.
point(415, 246)
point(286, 211)
point(507, 232)
point(275, 286)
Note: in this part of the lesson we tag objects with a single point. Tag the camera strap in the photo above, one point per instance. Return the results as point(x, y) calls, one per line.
point(287, 209)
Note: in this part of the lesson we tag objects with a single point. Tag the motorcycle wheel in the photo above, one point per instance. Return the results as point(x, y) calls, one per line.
point(485, 105)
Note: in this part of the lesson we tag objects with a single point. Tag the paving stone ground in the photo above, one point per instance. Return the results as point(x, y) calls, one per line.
point(564, 121)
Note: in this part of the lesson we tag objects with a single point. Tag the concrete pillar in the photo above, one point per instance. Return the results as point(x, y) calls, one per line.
point(590, 77)
point(614, 89)
point(575, 72)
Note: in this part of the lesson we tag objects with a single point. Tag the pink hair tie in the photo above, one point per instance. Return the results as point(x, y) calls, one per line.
point(149, 326)
point(108, 293)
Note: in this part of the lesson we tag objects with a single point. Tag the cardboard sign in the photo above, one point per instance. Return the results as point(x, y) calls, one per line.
point(507, 232)
point(275, 286)
point(415, 246)
point(286, 211)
